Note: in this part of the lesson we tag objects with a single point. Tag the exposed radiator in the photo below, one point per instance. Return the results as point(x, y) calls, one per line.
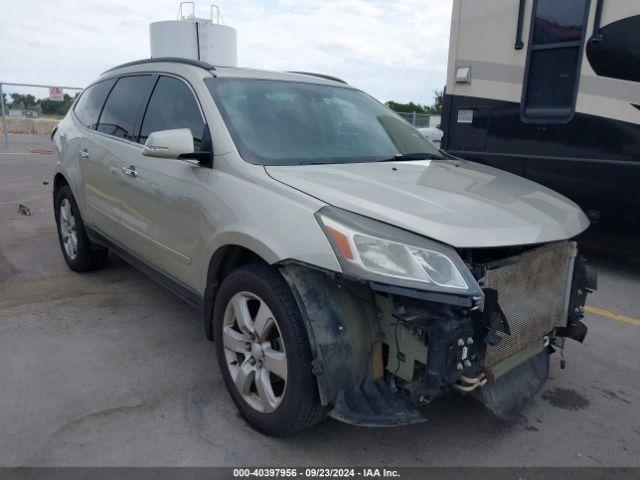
point(533, 292)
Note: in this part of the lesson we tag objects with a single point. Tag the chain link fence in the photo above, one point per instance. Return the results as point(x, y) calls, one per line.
point(32, 108)
point(422, 120)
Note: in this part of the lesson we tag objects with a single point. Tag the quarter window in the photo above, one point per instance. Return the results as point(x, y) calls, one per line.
point(553, 63)
point(88, 107)
point(123, 106)
point(172, 105)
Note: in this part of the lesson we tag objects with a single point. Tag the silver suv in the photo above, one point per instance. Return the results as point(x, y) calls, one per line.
point(342, 263)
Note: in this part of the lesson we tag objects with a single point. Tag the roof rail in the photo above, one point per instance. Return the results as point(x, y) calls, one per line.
point(321, 75)
point(187, 61)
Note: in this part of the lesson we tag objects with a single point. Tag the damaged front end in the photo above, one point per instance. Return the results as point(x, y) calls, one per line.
point(382, 351)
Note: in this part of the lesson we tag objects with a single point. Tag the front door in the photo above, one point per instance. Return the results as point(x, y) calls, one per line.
point(160, 200)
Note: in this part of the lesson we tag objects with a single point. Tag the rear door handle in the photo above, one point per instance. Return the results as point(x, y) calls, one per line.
point(130, 171)
point(84, 153)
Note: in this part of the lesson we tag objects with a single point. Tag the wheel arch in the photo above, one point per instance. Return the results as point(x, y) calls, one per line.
point(225, 260)
point(64, 177)
point(59, 181)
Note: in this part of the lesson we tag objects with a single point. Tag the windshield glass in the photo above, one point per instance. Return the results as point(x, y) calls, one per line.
point(289, 123)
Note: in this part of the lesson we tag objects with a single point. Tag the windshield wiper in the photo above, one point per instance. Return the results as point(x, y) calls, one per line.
point(401, 157)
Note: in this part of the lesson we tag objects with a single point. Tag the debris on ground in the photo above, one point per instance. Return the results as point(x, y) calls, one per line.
point(24, 210)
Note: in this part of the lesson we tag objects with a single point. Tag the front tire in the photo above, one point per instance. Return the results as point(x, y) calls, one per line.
point(79, 252)
point(263, 352)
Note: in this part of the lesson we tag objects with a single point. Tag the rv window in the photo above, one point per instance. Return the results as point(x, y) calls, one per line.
point(552, 78)
point(559, 21)
point(553, 63)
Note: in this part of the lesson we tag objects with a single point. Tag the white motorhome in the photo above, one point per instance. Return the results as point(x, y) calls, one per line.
point(550, 90)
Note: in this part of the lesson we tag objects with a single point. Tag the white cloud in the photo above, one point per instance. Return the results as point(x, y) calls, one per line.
point(393, 49)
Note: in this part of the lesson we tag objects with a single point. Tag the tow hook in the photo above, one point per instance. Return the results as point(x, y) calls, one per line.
point(467, 385)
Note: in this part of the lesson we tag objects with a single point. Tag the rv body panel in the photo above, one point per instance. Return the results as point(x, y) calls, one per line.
point(589, 152)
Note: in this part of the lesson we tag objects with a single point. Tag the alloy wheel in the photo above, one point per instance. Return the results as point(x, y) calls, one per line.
point(68, 229)
point(254, 352)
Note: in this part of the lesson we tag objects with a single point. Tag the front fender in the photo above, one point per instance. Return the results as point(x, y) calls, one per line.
point(342, 326)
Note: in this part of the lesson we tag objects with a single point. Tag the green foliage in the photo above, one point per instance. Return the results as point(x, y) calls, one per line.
point(406, 107)
point(438, 100)
point(435, 109)
point(29, 101)
point(43, 105)
point(57, 108)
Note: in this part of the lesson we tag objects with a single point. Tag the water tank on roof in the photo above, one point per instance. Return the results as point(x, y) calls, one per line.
point(204, 39)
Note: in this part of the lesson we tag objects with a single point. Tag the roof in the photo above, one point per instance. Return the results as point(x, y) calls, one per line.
point(236, 72)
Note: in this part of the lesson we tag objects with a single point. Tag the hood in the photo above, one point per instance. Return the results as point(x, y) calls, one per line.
point(457, 202)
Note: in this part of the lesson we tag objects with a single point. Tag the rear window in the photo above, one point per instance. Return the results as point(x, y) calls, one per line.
point(88, 107)
point(121, 110)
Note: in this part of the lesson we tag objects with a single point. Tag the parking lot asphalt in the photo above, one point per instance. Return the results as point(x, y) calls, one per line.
point(109, 368)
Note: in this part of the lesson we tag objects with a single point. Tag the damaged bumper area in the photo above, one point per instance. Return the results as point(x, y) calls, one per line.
point(382, 352)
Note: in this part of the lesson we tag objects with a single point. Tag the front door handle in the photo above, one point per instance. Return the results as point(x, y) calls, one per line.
point(84, 153)
point(130, 171)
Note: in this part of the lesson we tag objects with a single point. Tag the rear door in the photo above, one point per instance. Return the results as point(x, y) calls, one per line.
point(115, 142)
point(161, 212)
point(91, 156)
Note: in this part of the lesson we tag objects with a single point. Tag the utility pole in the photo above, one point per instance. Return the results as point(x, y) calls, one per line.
point(4, 121)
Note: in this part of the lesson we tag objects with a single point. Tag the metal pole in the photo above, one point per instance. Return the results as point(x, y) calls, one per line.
point(4, 121)
point(414, 119)
point(37, 85)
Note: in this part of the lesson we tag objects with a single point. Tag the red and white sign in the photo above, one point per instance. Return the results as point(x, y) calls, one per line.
point(56, 94)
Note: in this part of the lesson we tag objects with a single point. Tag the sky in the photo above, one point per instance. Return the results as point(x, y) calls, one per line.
point(392, 49)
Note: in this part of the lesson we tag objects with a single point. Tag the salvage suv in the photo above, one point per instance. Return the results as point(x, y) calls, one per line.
point(343, 265)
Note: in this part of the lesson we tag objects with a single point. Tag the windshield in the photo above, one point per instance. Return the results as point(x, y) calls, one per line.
point(289, 123)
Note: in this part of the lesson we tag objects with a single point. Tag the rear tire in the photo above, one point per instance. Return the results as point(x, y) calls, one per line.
point(250, 298)
point(79, 252)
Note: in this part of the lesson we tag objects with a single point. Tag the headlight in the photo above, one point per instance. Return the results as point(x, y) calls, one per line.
point(378, 252)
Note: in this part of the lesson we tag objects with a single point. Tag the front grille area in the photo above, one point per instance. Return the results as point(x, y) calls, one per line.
point(533, 294)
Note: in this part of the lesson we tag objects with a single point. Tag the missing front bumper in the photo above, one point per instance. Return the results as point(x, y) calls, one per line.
point(505, 397)
point(381, 353)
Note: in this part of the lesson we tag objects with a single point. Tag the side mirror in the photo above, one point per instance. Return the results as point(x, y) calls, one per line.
point(171, 144)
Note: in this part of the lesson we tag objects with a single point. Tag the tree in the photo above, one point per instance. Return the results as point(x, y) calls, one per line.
point(48, 107)
point(28, 101)
point(406, 107)
point(437, 102)
point(411, 107)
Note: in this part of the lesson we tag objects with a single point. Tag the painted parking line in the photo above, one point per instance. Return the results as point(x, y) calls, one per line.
point(613, 316)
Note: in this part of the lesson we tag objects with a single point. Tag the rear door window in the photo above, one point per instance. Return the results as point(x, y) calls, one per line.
point(554, 59)
point(88, 107)
point(173, 105)
point(120, 113)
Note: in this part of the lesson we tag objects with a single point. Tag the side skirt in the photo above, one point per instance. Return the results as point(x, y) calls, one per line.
point(183, 291)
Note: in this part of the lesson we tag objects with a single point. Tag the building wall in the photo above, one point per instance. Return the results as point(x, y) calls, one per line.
point(37, 126)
